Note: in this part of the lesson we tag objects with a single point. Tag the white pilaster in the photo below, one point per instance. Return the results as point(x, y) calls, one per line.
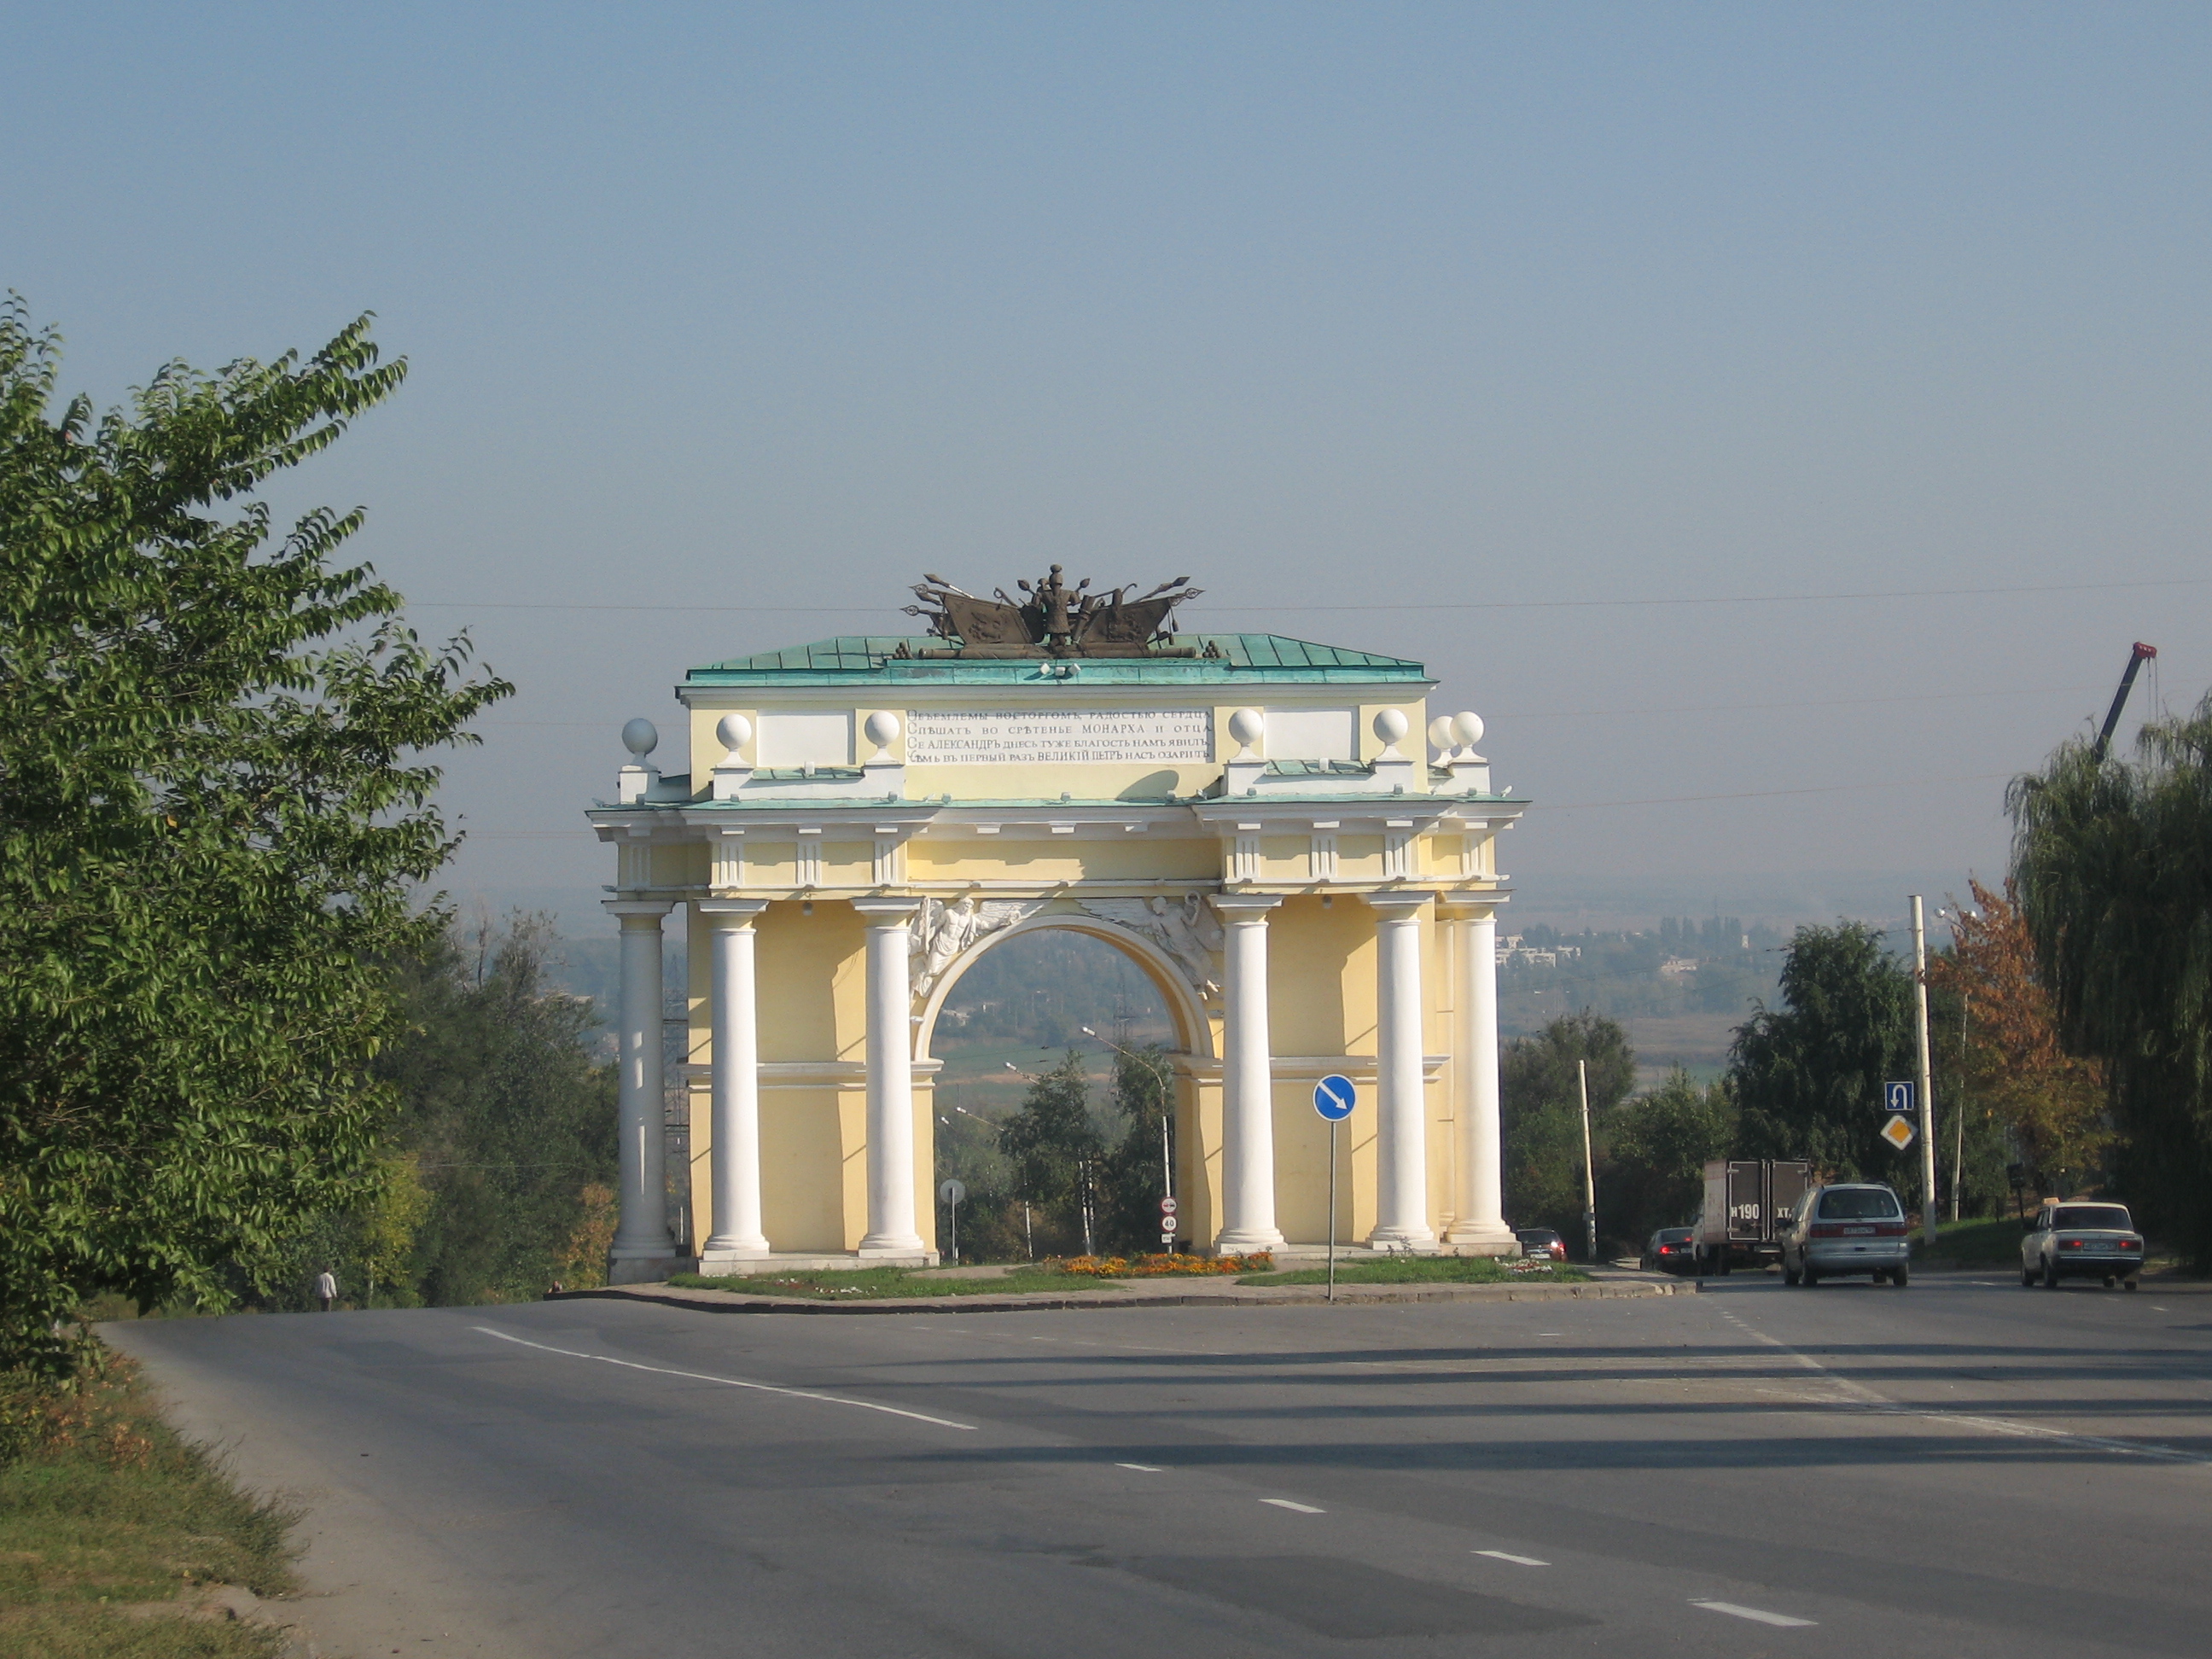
point(1480, 1209)
point(1248, 1105)
point(1401, 1197)
point(643, 1251)
point(891, 1081)
point(734, 1166)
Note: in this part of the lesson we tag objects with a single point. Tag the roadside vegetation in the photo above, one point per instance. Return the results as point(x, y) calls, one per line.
point(114, 1532)
point(1989, 1243)
point(1428, 1270)
point(215, 817)
point(878, 1284)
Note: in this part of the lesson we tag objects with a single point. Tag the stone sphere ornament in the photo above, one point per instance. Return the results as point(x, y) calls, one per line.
point(1390, 725)
point(1467, 727)
point(733, 731)
point(1440, 732)
point(882, 728)
point(640, 738)
point(1248, 726)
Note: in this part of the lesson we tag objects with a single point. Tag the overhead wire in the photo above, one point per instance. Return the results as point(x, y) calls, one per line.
point(1425, 604)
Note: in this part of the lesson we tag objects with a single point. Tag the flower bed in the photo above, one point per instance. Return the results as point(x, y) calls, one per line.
point(1167, 1267)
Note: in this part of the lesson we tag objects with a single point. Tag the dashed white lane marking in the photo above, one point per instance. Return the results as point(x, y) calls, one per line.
point(1757, 1615)
point(1286, 1503)
point(1855, 1396)
point(730, 1382)
point(1517, 1560)
point(1142, 1468)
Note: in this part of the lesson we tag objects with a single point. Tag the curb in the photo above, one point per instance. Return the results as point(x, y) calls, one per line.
point(728, 1302)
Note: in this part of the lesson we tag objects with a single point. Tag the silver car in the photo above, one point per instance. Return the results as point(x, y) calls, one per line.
point(2081, 1241)
point(1857, 1227)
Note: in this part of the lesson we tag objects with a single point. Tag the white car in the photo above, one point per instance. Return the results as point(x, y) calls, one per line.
point(2081, 1241)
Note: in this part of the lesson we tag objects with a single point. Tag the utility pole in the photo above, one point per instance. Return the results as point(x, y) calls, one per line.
point(1590, 1180)
point(1925, 1077)
point(1958, 1112)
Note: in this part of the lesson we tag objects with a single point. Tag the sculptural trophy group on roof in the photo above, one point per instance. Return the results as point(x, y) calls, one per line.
point(1055, 620)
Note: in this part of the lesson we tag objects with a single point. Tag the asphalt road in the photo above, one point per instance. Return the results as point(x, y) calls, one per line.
point(1965, 1467)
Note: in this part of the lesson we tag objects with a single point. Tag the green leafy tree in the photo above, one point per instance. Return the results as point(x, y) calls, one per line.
point(1144, 1095)
point(508, 1116)
point(1652, 1170)
point(214, 812)
point(2112, 865)
point(1052, 1144)
point(1808, 1076)
point(1541, 1109)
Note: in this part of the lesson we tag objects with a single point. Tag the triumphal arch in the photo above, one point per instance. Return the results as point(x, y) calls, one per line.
point(1257, 822)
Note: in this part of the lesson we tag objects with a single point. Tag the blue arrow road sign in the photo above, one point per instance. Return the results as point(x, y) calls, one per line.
point(1335, 1097)
point(1897, 1097)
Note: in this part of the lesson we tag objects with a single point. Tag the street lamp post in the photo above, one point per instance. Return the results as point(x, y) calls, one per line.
point(1925, 1077)
point(1167, 1159)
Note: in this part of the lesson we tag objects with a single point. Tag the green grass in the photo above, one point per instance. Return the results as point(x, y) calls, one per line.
point(1423, 1270)
point(102, 1504)
point(1971, 1245)
point(875, 1284)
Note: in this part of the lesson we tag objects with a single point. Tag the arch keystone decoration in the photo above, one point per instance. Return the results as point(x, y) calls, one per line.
point(864, 817)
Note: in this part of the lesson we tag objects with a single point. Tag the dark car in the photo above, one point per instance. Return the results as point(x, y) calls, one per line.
point(1671, 1250)
point(1542, 1244)
point(2081, 1241)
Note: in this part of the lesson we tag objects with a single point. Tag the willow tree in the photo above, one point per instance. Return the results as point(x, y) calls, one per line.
point(214, 811)
point(2112, 863)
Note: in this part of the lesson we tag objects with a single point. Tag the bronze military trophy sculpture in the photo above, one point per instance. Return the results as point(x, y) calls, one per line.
point(1055, 620)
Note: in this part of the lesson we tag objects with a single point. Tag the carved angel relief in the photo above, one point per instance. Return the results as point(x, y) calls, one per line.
point(1185, 930)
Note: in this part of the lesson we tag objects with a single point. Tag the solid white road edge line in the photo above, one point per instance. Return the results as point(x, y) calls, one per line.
point(1756, 1615)
point(730, 1382)
point(1286, 1503)
point(1517, 1560)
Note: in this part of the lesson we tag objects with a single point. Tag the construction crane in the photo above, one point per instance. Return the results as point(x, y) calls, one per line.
point(2120, 698)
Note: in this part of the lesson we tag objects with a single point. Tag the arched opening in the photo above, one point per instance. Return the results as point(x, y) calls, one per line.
point(1060, 1048)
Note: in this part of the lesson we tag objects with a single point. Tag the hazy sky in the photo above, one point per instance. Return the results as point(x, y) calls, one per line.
point(1418, 328)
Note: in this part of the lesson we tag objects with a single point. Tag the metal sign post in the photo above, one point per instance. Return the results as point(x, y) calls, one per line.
point(1334, 1099)
point(952, 1192)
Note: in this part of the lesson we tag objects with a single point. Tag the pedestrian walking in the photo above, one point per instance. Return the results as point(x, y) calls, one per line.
point(326, 1289)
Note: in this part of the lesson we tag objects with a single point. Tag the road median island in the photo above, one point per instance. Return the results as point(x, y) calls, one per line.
point(1216, 1293)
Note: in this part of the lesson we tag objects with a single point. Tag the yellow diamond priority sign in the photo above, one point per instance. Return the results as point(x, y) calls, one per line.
point(1898, 1132)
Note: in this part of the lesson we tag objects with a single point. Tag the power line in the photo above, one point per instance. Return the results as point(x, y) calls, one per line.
point(1562, 807)
point(1549, 713)
point(1334, 610)
point(1760, 794)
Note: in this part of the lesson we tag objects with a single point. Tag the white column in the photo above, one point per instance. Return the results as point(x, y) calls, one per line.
point(891, 1081)
point(1402, 1196)
point(642, 1249)
point(1248, 1102)
point(734, 1168)
point(1479, 1221)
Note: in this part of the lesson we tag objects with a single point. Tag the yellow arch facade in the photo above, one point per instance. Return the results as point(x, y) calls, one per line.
point(1257, 822)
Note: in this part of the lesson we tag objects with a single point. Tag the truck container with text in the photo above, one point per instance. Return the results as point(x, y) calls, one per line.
point(1749, 1205)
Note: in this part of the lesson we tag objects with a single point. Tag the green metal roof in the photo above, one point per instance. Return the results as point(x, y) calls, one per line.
point(857, 658)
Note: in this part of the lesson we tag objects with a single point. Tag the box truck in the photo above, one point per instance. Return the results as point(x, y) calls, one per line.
point(1749, 1205)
